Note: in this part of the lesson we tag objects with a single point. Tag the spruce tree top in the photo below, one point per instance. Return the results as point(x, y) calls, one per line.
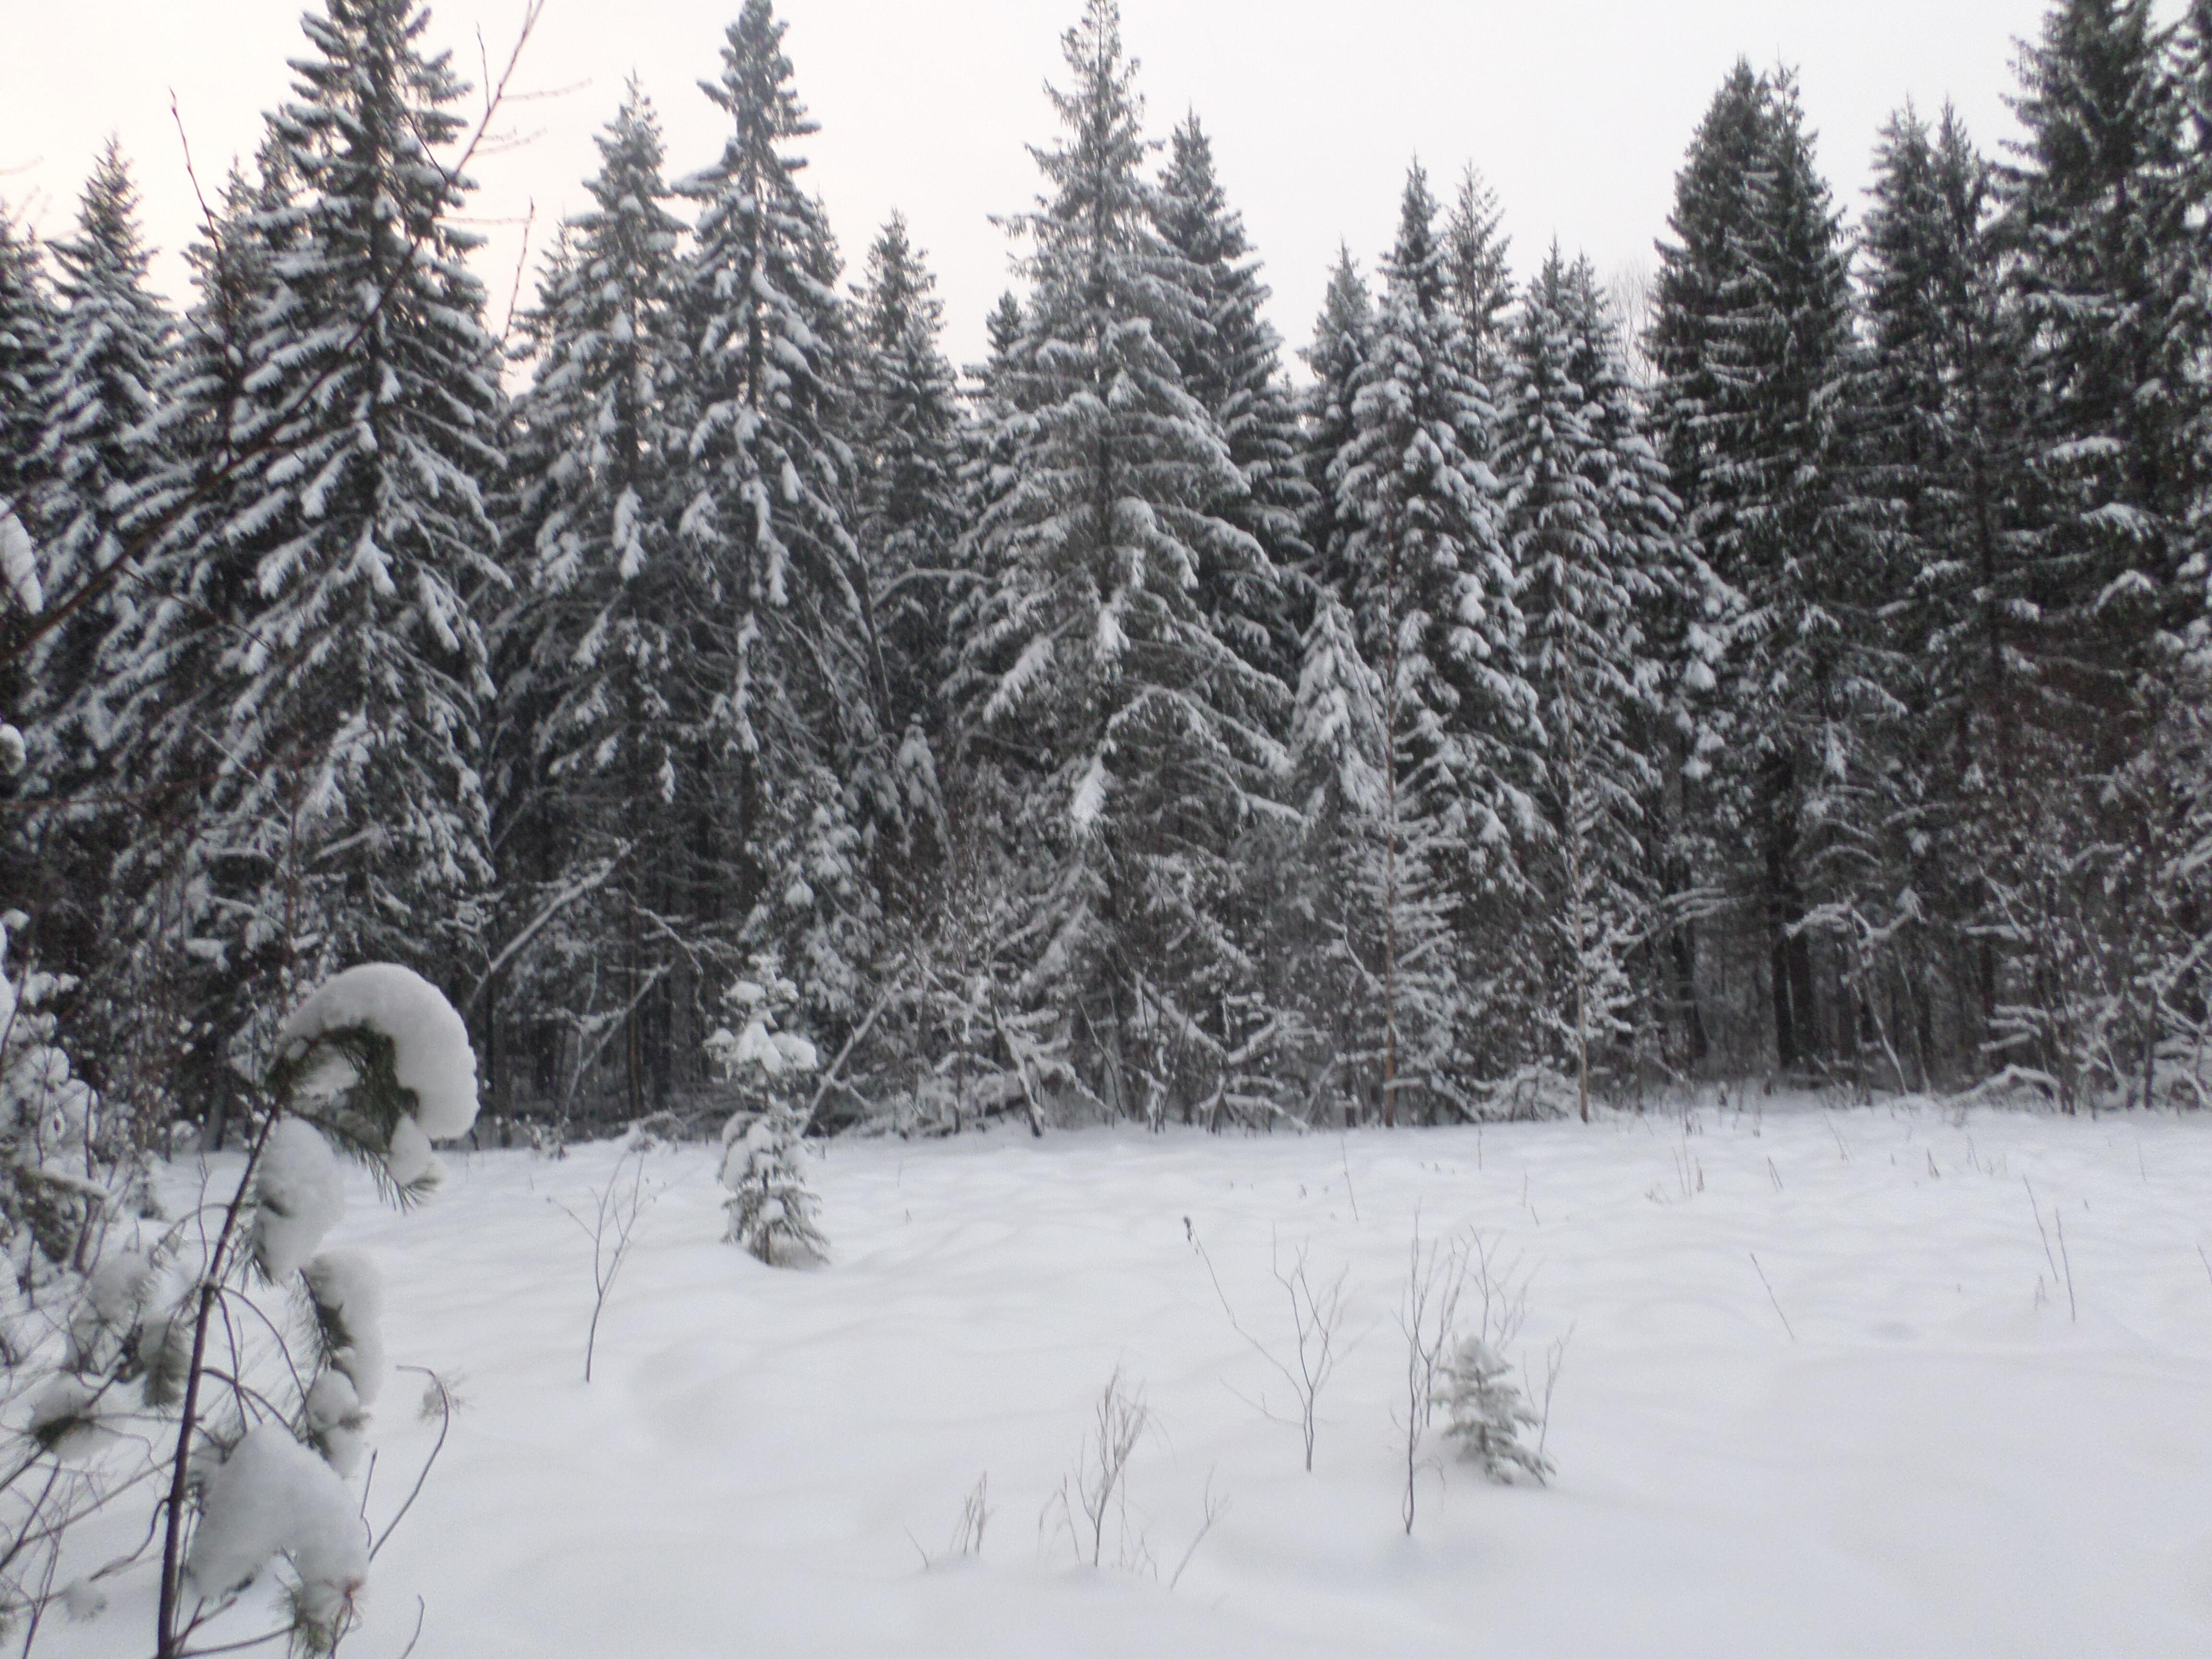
point(1107, 529)
point(110, 347)
point(26, 331)
point(1481, 273)
point(767, 334)
point(1704, 270)
point(1339, 346)
point(2100, 228)
point(372, 432)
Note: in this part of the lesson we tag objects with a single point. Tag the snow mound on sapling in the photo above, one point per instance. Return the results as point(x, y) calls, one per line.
point(348, 1292)
point(18, 564)
point(408, 1158)
point(431, 1054)
point(272, 1495)
point(116, 1299)
point(65, 1415)
point(298, 1195)
point(338, 1423)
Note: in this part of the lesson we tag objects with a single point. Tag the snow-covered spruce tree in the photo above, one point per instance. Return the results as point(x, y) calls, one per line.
point(1752, 339)
point(159, 699)
point(108, 350)
point(1339, 347)
point(109, 346)
point(1477, 263)
point(2093, 221)
point(1372, 920)
point(957, 1041)
point(1940, 402)
point(1230, 360)
point(1133, 744)
point(995, 428)
point(2192, 79)
point(906, 439)
point(1489, 1415)
point(604, 696)
point(1589, 531)
point(52, 1205)
point(169, 1384)
point(1337, 732)
point(344, 691)
point(1431, 593)
point(772, 1213)
point(1684, 614)
point(795, 730)
point(1232, 363)
point(1703, 279)
point(2101, 902)
point(27, 326)
point(58, 1195)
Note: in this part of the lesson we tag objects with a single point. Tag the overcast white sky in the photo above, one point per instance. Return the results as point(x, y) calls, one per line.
point(1576, 110)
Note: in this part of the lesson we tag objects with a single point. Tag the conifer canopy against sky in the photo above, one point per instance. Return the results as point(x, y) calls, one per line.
point(1575, 110)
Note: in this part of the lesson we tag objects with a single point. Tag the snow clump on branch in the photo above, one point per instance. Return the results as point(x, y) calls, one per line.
point(273, 1496)
point(431, 1055)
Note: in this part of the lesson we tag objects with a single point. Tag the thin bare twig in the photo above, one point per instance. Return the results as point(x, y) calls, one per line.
point(1315, 1318)
point(445, 1425)
point(1771, 1296)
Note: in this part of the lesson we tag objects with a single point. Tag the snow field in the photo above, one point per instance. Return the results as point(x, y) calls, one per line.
point(1932, 1458)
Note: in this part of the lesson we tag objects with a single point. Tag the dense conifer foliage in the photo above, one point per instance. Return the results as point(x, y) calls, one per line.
point(1454, 720)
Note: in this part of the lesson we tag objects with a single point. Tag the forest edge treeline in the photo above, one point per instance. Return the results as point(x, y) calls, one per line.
point(1521, 712)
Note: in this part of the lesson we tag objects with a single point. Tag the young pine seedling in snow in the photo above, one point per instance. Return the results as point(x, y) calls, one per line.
point(770, 1206)
point(1488, 1414)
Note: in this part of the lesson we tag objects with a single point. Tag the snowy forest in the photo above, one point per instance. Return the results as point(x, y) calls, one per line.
point(1525, 698)
point(1802, 676)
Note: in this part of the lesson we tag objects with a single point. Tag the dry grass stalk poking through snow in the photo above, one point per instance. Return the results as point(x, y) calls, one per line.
point(1101, 1483)
point(1095, 1497)
point(966, 1540)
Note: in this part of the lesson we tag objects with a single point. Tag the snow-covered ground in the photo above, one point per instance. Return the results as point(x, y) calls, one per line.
point(1920, 1442)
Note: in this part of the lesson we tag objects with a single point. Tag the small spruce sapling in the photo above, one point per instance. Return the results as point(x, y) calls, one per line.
point(1488, 1413)
point(764, 1156)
